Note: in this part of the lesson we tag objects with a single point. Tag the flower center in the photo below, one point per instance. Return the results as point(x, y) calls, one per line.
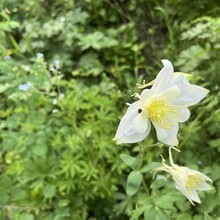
point(160, 111)
point(193, 182)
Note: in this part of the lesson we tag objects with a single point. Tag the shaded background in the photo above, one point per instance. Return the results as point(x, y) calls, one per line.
point(78, 63)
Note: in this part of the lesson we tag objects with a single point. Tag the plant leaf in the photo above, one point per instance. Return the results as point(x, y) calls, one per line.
point(133, 182)
point(129, 160)
point(150, 166)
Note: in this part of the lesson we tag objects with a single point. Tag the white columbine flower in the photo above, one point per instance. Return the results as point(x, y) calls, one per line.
point(164, 105)
point(188, 181)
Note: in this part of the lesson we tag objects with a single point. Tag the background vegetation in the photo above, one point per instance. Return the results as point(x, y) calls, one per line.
point(66, 70)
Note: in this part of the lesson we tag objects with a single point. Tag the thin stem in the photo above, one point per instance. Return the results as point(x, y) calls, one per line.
point(153, 145)
point(140, 162)
point(57, 81)
point(145, 186)
point(140, 157)
point(142, 151)
point(170, 154)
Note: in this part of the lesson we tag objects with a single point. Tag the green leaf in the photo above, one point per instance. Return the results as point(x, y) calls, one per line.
point(184, 216)
point(89, 64)
point(40, 150)
point(150, 166)
point(4, 87)
point(161, 214)
point(157, 184)
point(150, 212)
point(206, 216)
point(49, 191)
point(133, 182)
point(129, 160)
point(3, 198)
point(166, 201)
point(27, 217)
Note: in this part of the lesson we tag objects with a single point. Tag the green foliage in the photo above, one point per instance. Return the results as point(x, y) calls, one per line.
point(130, 161)
point(57, 157)
point(133, 182)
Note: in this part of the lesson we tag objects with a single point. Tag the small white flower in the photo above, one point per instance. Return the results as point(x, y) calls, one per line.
point(27, 68)
point(54, 111)
point(24, 87)
point(164, 105)
point(62, 95)
point(52, 69)
point(57, 64)
point(186, 180)
point(54, 101)
point(39, 55)
point(7, 57)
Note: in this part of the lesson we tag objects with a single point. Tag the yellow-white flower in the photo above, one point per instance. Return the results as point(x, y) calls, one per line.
point(164, 105)
point(188, 181)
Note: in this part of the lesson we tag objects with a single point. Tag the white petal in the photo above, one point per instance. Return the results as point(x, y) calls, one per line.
point(184, 114)
point(127, 119)
point(131, 139)
point(167, 136)
point(165, 77)
point(129, 130)
point(140, 123)
point(190, 94)
point(134, 138)
point(184, 191)
point(194, 196)
point(134, 106)
point(146, 95)
point(204, 186)
point(172, 93)
point(195, 172)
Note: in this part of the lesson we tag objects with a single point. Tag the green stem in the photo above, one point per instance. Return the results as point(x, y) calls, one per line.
point(16, 46)
point(142, 152)
point(145, 187)
point(141, 158)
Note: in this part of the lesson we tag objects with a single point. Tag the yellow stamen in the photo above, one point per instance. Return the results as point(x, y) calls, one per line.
point(193, 182)
point(159, 111)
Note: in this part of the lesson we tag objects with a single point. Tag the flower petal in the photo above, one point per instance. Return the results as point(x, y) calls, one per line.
point(190, 94)
point(202, 176)
point(146, 94)
point(193, 195)
point(165, 77)
point(140, 123)
point(132, 127)
point(167, 136)
point(184, 114)
point(129, 131)
point(204, 186)
point(172, 93)
point(127, 119)
point(134, 138)
point(183, 191)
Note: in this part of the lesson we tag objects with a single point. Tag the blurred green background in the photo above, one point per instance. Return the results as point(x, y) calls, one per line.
point(67, 68)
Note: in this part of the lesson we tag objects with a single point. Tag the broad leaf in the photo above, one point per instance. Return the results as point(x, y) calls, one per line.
point(129, 160)
point(133, 182)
